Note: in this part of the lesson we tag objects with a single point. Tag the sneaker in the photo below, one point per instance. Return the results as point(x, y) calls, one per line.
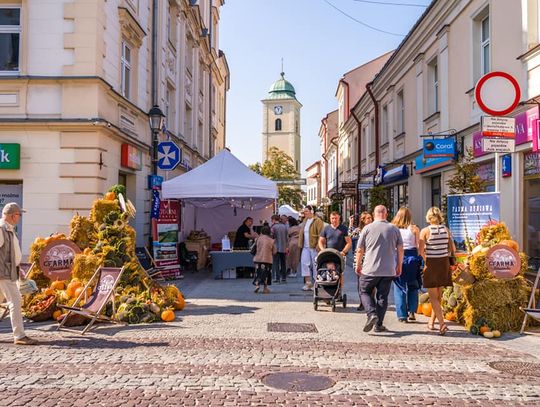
point(371, 320)
point(404, 320)
point(293, 274)
point(25, 341)
point(360, 307)
point(284, 281)
point(380, 328)
point(411, 316)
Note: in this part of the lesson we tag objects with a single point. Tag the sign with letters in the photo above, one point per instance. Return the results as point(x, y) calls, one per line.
point(436, 148)
point(10, 156)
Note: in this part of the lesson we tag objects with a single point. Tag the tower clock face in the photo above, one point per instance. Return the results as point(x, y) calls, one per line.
point(278, 110)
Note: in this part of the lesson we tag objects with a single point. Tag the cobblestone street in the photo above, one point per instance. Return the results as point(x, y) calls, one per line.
point(219, 350)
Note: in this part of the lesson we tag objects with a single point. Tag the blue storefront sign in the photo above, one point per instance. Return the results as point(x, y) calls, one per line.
point(395, 174)
point(506, 165)
point(422, 164)
point(436, 148)
point(467, 213)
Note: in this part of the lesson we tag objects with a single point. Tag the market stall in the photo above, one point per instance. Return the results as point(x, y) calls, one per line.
point(218, 195)
point(288, 210)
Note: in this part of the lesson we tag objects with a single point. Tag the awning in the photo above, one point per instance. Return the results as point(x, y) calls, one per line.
point(395, 174)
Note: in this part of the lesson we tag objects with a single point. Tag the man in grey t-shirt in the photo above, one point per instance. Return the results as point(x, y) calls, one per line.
point(382, 246)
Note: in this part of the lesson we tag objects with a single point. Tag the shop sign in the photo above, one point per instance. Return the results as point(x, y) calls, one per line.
point(165, 236)
point(348, 185)
point(495, 126)
point(526, 126)
point(468, 213)
point(131, 157)
point(477, 144)
point(10, 156)
point(503, 261)
point(434, 148)
point(378, 177)
point(155, 181)
point(395, 174)
point(364, 186)
point(486, 172)
point(337, 197)
point(498, 145)
point(532, 165)
point(506, 166)
point(56, 259)
point(423, 164)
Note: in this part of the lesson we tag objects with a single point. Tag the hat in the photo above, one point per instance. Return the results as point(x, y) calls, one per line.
point(11, 208)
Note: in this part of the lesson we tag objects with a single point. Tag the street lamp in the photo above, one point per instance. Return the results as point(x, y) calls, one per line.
point(155, 118)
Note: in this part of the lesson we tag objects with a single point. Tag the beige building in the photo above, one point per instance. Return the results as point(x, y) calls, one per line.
point(281, 121)
point(313, 184)
point(75, 88)
point(427, 88)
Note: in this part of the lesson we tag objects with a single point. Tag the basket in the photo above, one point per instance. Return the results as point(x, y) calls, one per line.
point(45, 313)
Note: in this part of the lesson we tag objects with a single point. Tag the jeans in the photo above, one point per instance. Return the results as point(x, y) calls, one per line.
point(405, 300)
point(378, 303)
point(13, 298)
point(279, 267)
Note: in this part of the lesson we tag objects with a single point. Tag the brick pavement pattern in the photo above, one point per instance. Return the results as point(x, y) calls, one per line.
point(219, 350)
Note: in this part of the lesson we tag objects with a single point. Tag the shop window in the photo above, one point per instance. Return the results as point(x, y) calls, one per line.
point(532, 218)
point(10, 39)
point(277, 125)
point(436, 191)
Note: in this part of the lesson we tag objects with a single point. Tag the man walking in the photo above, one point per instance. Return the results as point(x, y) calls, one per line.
point(335, 236)
point(382, 246)
point(308, 239)
point(279, 233)
point(10, 258)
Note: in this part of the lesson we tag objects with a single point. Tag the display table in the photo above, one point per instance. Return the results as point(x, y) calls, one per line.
point(230, 260)
point(201, 246)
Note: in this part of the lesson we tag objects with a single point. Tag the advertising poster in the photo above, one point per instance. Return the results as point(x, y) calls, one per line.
point(165, 237)
point(467, 214)
point(12, 193)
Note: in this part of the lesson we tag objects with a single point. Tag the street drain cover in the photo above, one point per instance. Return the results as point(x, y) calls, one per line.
point(298, 381)
point(287, 327)
point(517, 368)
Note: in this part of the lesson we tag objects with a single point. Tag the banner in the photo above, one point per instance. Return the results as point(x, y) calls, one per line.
point(165, 237)
point(467, 214)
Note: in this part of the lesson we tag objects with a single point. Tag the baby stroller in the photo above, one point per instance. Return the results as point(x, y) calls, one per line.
point(327, 287)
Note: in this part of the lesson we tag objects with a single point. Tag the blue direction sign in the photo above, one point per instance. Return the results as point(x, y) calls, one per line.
point(169, 155)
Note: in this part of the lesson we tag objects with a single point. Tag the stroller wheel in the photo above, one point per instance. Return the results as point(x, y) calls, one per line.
point(334, 305)
point(344, 300)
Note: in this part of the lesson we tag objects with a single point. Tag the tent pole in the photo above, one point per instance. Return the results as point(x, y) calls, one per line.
point(195, 217)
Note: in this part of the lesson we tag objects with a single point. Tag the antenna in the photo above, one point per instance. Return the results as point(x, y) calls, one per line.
point(282, 72)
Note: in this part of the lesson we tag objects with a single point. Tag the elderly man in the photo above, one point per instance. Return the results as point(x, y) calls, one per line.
point(308, 240)
point(10, 258)
point(382, 245)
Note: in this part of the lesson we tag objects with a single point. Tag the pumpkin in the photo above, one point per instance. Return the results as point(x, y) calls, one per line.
point(110, 196)
point(484, 329)
point(74, 284)
point(168, 315)
point(56, 314)
point(180, 303)
point(58, 285)
point(488, 334)
point(49, 291)
point(450, 316)
point(78, 291)
point(496, 334)
point(419, 309)
point(427, 309)
point(70, 292)
point(512, 243)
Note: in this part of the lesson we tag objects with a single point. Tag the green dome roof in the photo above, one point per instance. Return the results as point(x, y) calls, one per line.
point(282, 89)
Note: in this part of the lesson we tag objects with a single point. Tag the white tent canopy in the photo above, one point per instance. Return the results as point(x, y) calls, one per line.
point(223, 180)
point(288, 211)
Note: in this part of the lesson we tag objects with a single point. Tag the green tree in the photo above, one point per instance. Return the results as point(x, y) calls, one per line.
point(378, 196)
point(466, 179)
point(280, 166)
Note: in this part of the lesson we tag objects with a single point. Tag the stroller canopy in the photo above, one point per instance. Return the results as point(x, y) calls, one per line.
point(333, 255)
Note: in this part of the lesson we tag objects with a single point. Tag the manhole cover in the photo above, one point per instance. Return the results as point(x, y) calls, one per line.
point(298, 381)
point(518, 368)
point(287, 327)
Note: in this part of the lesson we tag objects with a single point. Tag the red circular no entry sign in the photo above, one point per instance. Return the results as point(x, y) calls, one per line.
point(497, 93)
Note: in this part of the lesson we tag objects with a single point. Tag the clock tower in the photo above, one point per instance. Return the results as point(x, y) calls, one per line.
point(281, 121)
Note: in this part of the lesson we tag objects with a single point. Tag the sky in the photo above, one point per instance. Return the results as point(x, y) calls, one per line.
point(318, 45)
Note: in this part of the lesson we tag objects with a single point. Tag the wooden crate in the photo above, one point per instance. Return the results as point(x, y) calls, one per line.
point(201, 246)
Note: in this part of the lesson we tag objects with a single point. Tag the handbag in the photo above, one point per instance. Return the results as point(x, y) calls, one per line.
point(27, 286)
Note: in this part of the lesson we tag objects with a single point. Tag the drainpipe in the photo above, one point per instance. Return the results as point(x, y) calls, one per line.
point(376, 104)
point(358, 166)
point(211, 147)
point(154, 52)
point(335, 143)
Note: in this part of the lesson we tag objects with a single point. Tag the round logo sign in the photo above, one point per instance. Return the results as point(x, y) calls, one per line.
point(56, 259)
point(497, 93)
point(503, 261)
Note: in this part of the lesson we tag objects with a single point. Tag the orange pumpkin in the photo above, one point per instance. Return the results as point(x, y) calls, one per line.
point(58, 285)
point(49, 291)
point(512, 243)
point(484, 329)
point(110, 196)
point(419, 309)
point(78, 291)
point(70, 292)
point(168, 315)
point(56, 314)
point(427, 309)
point(450, 316)
point(180, 303)
point(75, 283)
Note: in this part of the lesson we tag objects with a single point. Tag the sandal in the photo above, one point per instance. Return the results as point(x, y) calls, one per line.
point(431, 326)
point(443, 330)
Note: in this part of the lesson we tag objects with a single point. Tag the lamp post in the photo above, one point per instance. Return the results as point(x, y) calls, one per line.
point(155, 118)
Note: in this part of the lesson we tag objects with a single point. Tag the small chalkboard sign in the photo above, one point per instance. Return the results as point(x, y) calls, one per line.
point(144, 258)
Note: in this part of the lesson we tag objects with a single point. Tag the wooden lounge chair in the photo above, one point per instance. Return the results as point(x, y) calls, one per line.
point(148, 264)
point(107, 279)
point(533, 308)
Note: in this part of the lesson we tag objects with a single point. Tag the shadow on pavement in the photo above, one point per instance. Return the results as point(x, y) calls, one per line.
point(93, 342)
point(193, 309)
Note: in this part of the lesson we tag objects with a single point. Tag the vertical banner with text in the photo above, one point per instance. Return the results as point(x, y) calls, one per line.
point(165, 237)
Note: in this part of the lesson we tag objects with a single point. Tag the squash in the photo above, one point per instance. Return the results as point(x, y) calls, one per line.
point(56, 314)
point(74, 284)
point(427, 309)
point(78, 291)
point(168, 315)
point(484, 329)
point(49, 291)
point(180, 303)
point(419, 309)
point(496, 334)
point(450, 316)
point(512, 243)
point(58, 285)
point(110, 196)
point(488, 334)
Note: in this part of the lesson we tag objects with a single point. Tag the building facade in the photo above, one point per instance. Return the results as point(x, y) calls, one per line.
point(313, 184)
point(281, 121)
point(75, 88)
point(426, 89)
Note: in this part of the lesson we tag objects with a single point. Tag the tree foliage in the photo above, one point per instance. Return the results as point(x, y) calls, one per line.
point(466, 179)
point(378, 196)
point(280, 166)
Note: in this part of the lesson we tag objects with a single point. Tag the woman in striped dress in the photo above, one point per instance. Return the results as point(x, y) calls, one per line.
point(437, 244)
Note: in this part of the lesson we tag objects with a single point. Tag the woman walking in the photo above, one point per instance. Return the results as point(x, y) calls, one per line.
point(438, 245)
point(365, 219)
point(293, 250)
point(266, 248)
point(406, 286)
